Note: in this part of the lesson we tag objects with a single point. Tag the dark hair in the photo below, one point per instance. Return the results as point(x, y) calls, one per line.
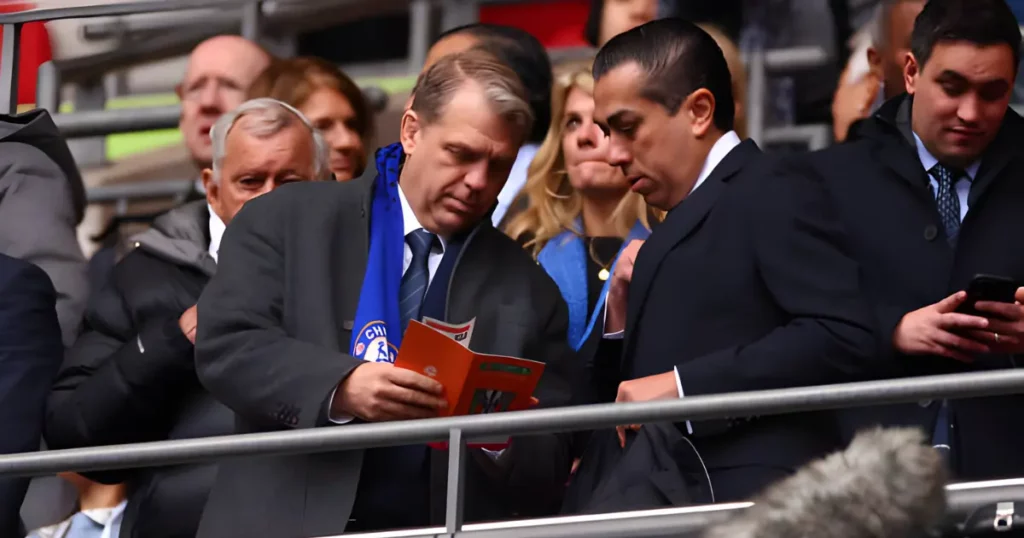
point(981, 22)
point(679, 58)
point(527, 57)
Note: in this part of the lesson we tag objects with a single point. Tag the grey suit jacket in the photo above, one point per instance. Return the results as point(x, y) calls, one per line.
point(274, 329)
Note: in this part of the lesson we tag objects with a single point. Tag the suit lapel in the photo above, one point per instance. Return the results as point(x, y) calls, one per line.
point(998, 156)
point(351, 252)
point(902, 158)
point(680, 222)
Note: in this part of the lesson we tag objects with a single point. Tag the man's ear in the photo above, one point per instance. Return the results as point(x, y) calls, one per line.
point(700, 105)
point(211, 187)
point(179, 91)
point(410, 134)
point(911, 70)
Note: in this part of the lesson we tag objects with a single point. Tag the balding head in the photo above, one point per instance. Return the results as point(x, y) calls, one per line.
point(219, 73)
point(890, 38)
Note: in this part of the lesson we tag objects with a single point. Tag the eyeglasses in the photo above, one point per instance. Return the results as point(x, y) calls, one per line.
point(222, 87)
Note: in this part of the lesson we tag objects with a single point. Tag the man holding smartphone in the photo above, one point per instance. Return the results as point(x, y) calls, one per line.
point(928, 190)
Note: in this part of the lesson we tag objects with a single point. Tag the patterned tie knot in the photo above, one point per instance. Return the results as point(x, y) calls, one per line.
point(420, 242)
point(946, 175)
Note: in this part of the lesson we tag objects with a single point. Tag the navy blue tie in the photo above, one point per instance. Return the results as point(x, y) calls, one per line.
point(416, 277)
point(948, 203)
point(947, 199)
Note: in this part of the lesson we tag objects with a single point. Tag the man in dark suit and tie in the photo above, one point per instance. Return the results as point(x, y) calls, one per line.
point(316, 284)
point(30, 354)
point(743, 287)
point(931, 190)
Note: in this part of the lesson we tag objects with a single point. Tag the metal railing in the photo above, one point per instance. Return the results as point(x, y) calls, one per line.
point(458, 429)
point(962, 499)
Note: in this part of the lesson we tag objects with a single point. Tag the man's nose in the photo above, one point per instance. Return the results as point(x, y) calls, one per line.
point(209, 97)
point(476, 178)
point(968, 111)
point(618, 154)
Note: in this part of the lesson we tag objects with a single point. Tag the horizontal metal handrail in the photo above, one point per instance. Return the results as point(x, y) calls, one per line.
point(962, 499)
point(360, 436)
point(130, 120)
point(814, 136)
point(139, 190)
point(115, 9)
point(108, 122)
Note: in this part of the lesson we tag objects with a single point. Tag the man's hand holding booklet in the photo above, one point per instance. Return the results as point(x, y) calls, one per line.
point(474, 383)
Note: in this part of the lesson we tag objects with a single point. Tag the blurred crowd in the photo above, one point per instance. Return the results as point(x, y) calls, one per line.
point(605, 216)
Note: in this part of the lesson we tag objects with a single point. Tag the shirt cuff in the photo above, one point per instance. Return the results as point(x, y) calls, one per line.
point(617, 335)
point(679, 388)
point(336, 419)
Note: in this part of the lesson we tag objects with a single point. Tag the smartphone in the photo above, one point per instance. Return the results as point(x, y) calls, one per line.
point(994, 288)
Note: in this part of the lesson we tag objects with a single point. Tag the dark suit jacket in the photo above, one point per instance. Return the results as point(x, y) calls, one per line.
point(274, 328)
point(30, 354)
point(745, 286)
point(880, 191)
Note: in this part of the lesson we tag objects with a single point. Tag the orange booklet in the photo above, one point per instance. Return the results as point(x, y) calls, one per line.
point(474, 383)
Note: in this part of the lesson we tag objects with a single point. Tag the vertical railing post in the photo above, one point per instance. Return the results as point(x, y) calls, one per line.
point(252, 15)
point(456, 482)
point(48, 86)
point(757, 89)
point(419, 33)
point(9, 69)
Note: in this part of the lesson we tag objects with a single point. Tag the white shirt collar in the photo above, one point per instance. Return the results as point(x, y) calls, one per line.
point(722, 147)
point(929, 161)
point(217, 228)
point(409, 220)
point(105, 516)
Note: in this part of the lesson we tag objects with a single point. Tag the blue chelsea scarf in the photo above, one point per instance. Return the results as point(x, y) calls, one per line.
point(377, 317)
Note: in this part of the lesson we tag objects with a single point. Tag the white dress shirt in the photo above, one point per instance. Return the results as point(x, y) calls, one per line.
point(107, 519)
point(722, 147)
point(516, 181)
point(963, 188)
point(217, 228)
point(410, 224)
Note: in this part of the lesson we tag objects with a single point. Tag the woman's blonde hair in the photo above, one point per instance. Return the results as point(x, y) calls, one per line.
point(552, 205)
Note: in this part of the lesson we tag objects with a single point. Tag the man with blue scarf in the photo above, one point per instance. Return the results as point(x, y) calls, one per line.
point(301, 325)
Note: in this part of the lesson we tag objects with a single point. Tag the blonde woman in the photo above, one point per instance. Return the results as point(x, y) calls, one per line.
point(579, 211)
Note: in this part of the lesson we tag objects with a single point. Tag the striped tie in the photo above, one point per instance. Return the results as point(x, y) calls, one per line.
point(416, 277)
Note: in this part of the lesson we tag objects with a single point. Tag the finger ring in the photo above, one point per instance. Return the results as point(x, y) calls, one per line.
point(996, 337)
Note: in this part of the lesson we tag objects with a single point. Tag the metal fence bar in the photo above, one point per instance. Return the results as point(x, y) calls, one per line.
point(419, 33)
point(141, 190)
point(677, 522)
point(112, 10)
point(9, 69)
point(107, 122)
point(778, 60)
point(814, 136)
point(456, 481)
point(757, 94)
point(252, 20)
point(359, 436)
point(129, 120)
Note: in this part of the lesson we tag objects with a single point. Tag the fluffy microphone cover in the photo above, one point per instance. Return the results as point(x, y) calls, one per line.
point(886, 484)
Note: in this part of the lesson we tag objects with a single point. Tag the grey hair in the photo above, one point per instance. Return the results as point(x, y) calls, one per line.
point(886, 484)
point(503, 89)
point(270, 117)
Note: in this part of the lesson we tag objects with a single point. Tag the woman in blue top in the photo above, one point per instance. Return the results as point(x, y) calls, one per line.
point(578, 210)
